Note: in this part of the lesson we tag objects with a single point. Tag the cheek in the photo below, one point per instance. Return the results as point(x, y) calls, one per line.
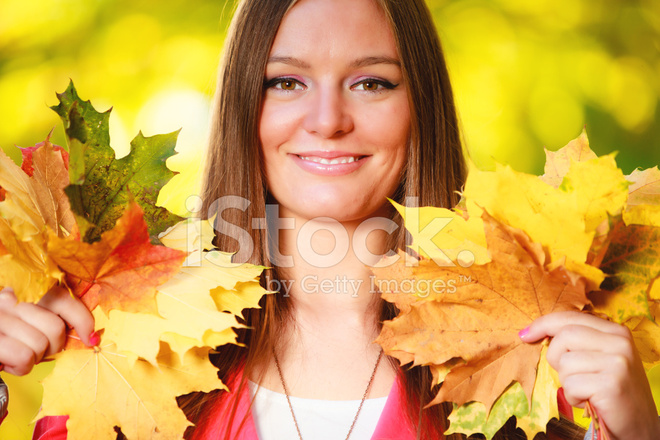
point(389, 126)
point(277, 122)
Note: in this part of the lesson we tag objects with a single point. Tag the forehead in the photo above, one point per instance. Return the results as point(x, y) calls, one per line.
point(335, 29)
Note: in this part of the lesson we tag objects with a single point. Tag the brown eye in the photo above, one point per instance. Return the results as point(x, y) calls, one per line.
point(288, 84)
point(373, 85)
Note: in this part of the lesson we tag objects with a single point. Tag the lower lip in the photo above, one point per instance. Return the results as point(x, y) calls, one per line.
point(323, 169)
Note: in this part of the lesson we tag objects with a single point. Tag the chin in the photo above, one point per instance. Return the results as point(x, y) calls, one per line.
point(342, 209)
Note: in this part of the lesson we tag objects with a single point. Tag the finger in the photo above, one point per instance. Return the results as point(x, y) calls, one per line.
point(49, 324)
point(16, 357)
point(17, 329)
point(7, 297)
point(59, 301)
point(590, 362)
point(577, 338)
point(551, 324)
point(579, 388)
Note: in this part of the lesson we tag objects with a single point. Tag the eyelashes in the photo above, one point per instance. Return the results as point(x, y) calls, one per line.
point(285, 83)
point(374, 81)
point(288, 84)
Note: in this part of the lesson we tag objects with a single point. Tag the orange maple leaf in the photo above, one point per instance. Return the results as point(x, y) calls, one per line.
point(122, 270)
point(476, 316)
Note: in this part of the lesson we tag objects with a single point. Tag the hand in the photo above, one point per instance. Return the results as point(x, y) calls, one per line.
point(597, 362)
point(29, 332)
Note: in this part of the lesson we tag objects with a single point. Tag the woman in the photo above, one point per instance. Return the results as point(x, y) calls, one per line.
point(324, 109)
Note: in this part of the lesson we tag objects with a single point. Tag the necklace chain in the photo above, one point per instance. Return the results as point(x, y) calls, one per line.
point(364, 397)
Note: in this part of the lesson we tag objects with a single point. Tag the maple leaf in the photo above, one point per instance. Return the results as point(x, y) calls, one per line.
point(644, 187)
point(49, 164)
point(30, 206)
point(189, 235)
point(480, 320)
point(632, 262)
point(28, 152)
point(99, 389)
point(101, 185)
point(544, 398)
point(646, 334)
point(557, 163)
point(601, 189)
point(121, 270)
point(523, 201)
point(445, 236)
point(473, 417)
point(643, 207)
point(191, 311)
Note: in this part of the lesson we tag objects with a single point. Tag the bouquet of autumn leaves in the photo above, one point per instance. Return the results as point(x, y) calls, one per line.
point(88, 221)
point(581, 237)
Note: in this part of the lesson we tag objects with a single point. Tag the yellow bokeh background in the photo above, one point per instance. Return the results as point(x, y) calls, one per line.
point(527, 74)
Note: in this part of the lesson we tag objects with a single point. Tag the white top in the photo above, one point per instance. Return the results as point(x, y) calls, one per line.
point(317, 419)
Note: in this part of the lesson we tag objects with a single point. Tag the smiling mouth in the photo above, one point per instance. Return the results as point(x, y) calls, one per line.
point(333, 161)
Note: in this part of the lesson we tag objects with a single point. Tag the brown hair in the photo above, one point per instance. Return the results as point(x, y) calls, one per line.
point(433, 174)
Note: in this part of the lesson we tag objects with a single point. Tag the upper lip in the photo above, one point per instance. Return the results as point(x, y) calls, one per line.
point(328, 154)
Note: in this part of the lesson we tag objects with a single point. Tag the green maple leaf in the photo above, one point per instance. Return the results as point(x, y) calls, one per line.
point(102, 185)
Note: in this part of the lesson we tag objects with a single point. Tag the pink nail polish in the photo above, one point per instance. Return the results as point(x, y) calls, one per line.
point(94, 339)
point(522, 333)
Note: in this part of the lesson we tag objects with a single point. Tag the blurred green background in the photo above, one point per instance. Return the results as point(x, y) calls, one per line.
point(527, 74)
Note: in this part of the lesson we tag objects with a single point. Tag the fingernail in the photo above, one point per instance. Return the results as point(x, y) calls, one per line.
point(2, 419)
point(94, 339)
point(522, 333)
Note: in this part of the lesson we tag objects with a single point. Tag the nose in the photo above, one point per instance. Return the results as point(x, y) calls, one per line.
point(328, 114)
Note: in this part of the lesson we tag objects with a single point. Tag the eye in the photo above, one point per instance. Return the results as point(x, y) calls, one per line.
point(286, 84)
point(373, 85)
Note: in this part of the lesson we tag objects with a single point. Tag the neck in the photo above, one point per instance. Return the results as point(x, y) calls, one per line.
point(324, 270)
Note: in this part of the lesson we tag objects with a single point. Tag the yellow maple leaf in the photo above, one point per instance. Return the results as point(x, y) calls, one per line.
point(192, 309)
point(525, 202)
point(544, 399)
point(600, 186)
point(646, 334)
point(474, 418)
point(643, 207)
point(30, 206)
point(445, 236)
point(557, 163)
point(192, 234)
point(244, 295)
point(100, 389)
point(648, 215)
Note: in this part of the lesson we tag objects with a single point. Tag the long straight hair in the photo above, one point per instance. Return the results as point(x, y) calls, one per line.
point(433, 174)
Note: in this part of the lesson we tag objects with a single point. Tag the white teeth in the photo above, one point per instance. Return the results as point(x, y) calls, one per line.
point(335, 161)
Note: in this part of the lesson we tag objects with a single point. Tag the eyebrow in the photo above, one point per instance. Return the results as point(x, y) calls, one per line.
point(361, 62)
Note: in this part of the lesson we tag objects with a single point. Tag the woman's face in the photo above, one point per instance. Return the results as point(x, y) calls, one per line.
point(335, 120)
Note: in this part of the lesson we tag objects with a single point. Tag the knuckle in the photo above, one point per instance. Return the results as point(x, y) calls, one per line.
point(620, 365)
point(616, 387)
point(23, 360)
point(59, 328)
